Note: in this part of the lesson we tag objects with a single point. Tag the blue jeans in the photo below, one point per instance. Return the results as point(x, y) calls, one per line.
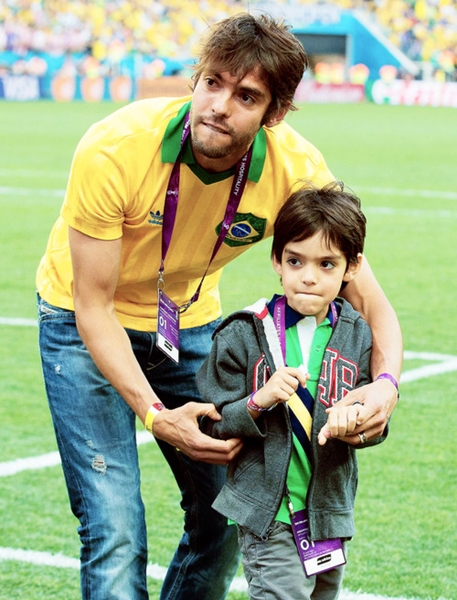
point(95, 431)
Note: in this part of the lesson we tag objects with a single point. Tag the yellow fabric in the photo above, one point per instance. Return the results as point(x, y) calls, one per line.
point(117, 188)
point(301, 412)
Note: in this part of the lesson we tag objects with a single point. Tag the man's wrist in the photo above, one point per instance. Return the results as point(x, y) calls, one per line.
point(153, 411)
point(391, 378)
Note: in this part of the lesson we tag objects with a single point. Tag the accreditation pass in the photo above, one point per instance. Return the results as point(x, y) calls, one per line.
point(168, 327)
point(316, 556)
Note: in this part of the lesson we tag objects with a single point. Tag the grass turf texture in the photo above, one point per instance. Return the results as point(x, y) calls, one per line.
point(405, 513)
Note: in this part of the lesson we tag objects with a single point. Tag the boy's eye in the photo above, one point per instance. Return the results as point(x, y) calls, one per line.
point(294, 262)
point(326, 264)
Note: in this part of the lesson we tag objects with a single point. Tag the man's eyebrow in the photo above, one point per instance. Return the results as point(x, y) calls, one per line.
point(250, 91)
point(245, 89)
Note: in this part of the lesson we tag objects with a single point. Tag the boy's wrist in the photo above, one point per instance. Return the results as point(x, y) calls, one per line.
point(252, 404)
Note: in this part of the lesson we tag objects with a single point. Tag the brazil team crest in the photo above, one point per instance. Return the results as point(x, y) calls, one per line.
point(246, 229)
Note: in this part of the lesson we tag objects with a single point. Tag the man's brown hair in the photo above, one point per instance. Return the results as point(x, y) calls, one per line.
point(242, 43)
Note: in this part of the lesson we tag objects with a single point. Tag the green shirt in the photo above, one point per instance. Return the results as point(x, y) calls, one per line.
point(300, 470)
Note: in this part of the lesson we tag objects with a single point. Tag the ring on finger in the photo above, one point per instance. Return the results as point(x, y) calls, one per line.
point(363, 438)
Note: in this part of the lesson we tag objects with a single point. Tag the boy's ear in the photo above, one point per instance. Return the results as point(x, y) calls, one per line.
point(276, 265)
point(353, 268)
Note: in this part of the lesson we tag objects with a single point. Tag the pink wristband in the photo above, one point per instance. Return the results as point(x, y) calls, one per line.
point(389, 377)
point(252, 404)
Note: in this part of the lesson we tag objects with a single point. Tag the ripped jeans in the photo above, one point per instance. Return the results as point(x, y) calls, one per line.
point(95, 431)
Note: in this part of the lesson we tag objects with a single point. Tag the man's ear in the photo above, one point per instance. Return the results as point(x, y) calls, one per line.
point(277, 116)
point(353, 268)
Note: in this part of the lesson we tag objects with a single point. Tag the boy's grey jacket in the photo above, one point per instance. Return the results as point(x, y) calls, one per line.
point(244, 346)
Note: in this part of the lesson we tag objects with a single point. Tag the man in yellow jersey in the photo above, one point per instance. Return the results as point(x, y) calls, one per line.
point(162, 194)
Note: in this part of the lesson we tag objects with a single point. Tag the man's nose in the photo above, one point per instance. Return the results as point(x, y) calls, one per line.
point(221, 104)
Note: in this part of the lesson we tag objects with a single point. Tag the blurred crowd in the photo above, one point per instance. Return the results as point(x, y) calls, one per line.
point(108, 30)
point(161, 27)
point(425, 30)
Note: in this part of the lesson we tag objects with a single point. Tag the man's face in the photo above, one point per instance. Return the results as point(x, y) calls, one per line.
point(225, 117)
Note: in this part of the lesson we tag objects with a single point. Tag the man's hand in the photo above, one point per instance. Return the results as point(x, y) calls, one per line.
point(361, 415)
point(179, 427)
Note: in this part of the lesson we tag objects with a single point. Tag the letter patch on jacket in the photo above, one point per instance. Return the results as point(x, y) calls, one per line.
point(338, 377)
point(261, 373)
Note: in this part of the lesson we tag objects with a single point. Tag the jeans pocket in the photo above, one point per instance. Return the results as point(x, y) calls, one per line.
point(48, 311)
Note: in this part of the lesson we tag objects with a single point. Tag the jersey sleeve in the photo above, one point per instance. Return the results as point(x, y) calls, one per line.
point(97, 188)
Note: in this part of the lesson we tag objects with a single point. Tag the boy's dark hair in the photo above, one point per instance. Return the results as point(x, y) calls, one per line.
point(330, 209)
point(243, 42)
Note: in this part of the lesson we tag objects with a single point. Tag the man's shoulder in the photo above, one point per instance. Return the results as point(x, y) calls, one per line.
point(287, 147)
point(139, 117)
point(165, 108)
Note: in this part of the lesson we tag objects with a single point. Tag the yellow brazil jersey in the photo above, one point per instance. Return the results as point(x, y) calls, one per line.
point(117, 186)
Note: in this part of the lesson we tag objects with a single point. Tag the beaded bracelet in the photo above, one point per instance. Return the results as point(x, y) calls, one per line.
point(254, 406)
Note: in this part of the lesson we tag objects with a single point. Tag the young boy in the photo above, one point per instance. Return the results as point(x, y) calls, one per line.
point(273, 370)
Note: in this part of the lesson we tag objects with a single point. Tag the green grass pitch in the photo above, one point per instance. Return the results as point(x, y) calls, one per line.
point(402, 163)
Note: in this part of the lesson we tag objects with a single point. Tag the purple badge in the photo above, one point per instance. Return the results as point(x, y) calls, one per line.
point(168, 327)
point(318, 556)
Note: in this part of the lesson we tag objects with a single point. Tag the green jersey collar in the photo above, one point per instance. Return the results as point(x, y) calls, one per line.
point(172, 143)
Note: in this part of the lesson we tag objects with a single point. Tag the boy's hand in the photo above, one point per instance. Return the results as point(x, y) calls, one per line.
point(280, 387)
point(379, 400)
point(342, 423)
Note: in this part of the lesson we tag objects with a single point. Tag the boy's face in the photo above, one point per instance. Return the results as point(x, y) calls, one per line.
point(312, 274)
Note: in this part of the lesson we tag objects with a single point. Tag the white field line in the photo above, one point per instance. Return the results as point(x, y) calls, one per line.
point(373, 210)
point(32, 192)
point(17, 322)
point(442, 363)
point(154, 571)
point(46, 559)
point(405, 192)
point(381, 210)
point(52, 459)
point(439, 363)
point(374, 190)
point(31, 173)
point(419, 213)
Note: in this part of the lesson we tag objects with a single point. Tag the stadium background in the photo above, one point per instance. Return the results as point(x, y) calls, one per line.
point(122, 50)
point(400, 159)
